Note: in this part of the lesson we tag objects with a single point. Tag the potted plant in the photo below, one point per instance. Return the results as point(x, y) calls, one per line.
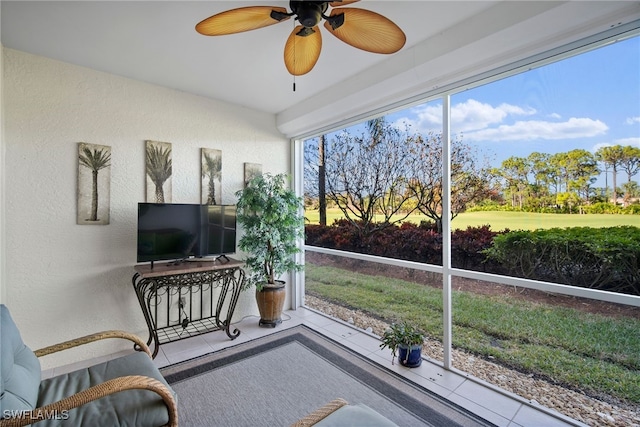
point(270, 216)
point(405, 339)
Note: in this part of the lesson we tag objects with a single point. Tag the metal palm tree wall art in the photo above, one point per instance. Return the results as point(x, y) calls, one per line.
point(94, 184)
point(211, 190)
point(158, 164)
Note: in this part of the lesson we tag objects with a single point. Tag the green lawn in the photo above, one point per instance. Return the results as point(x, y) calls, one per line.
point(588, 352)
point(511, 220)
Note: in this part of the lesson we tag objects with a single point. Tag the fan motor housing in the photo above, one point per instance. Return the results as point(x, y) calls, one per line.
point(308, 13)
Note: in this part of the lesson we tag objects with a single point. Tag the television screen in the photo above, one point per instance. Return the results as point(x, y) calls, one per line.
point(168, 231)
point(173, 231)
point(220, 230)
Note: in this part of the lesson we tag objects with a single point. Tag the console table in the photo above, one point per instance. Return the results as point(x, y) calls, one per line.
point(188, 299)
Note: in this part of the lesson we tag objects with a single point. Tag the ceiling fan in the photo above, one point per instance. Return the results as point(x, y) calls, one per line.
point(359, 28)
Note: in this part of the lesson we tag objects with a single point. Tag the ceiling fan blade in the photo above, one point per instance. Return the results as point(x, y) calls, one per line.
point(241, 19)
point(342, 3)
point(366, 30)
point(302, 50)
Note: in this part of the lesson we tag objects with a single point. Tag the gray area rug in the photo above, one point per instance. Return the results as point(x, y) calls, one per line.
point(276, 380)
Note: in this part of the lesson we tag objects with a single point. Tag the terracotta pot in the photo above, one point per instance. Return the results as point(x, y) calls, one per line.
point(270, 303)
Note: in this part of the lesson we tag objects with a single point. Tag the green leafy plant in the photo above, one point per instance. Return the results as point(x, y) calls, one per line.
point(269, 214)
point(599, 258)
point(401, 334)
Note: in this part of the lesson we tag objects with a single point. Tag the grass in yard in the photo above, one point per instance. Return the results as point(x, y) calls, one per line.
point(511, 220)
point(588, 352)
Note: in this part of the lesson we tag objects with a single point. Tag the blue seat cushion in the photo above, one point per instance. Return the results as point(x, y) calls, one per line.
point(355, 416)
point(19, 368)
point(126, 408)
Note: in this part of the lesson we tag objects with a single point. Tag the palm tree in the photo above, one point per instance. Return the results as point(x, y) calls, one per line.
point(322, 179)
point(158, 167)
point(212, 167)
point(95, 160)
point(631, 165)
point(612, 156)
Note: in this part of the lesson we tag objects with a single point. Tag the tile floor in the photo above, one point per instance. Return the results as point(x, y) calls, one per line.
point(497, 406)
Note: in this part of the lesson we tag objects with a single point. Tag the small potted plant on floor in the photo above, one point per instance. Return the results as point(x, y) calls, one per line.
point(270, 215)
point(407, 341)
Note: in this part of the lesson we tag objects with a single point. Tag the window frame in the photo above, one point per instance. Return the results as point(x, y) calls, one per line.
point(592, 42)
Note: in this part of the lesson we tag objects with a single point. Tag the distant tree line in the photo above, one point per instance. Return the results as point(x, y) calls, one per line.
point(565, 181)
point(384, 174)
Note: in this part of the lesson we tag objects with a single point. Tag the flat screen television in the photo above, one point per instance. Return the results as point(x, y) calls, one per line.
point(174, 231)
point(219, 234)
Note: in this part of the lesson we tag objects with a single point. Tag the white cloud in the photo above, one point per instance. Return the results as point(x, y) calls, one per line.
point(479, 121)
point(536, 129)
point(466, 116)
point(600, 145)
point(633, 141)
point(473, 115)
point(632, 120)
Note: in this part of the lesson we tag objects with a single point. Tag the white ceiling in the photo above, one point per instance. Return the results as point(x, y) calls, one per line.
point(155, 42)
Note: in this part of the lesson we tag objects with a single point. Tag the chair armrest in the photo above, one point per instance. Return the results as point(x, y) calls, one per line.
point(320, 413)
point(91, 338)
point(116, 385)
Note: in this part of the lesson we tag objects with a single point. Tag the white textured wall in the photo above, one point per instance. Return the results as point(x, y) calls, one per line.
point(64, 280)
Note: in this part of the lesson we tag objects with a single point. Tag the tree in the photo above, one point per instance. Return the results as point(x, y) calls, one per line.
point(212, 168)
point(514, 171)
point(567, 199)
point(366, 175)
point(582, 171)
point(315, 175)
point(612, 156)
point(469, 183)
point(95, 160)
point(541, 173)
point(630, 164)
point(631, 190)
point(158, 163)
point(322, 182)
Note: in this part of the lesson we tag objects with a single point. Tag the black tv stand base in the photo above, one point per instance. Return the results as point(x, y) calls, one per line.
point(189, 299)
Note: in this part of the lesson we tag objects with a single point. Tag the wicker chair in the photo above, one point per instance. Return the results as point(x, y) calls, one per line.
point(126, 391)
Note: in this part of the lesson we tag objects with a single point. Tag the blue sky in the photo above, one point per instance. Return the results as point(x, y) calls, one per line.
point(585, 101)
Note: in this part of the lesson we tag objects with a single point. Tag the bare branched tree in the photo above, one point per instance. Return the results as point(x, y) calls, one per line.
point(366, 175)
point(469, 182)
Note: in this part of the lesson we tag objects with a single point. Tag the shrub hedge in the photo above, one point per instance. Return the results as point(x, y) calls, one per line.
point(595, 208)
point(408, 241)
point(598, 258)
